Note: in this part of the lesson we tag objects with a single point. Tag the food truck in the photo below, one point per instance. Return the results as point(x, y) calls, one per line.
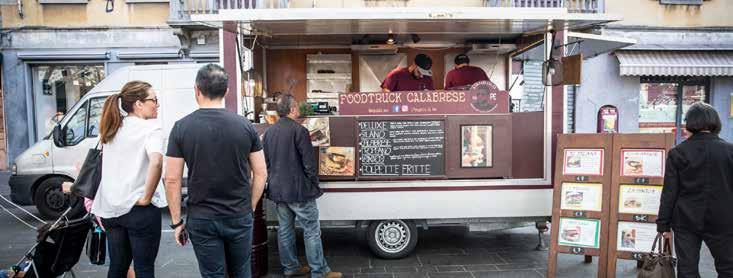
point(390, 162)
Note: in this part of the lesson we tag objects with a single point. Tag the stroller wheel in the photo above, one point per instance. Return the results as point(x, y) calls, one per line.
point(51, 201)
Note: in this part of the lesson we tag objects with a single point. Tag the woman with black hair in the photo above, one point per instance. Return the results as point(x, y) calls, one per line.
point(697, 199)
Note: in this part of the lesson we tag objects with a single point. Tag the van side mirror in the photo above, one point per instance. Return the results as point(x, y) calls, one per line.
point(58, 137)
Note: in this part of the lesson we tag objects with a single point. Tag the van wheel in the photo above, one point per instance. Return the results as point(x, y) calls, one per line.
point(392, 239)
point(52, 202)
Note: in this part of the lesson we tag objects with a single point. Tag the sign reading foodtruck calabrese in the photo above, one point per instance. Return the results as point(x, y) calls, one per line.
point(481, 98)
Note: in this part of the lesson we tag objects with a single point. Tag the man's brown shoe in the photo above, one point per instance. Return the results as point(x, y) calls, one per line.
point(303, 270)
point(334, 275)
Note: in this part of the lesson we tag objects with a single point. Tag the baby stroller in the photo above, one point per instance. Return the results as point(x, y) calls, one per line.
point(57, 249)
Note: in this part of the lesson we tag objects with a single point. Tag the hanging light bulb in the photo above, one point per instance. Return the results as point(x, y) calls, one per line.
point(390, 38)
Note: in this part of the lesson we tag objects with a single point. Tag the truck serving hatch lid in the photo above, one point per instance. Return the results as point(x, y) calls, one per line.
point(424, 20)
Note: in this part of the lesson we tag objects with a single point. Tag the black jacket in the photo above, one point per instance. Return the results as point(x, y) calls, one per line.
point(698, 186)
point(291, 163)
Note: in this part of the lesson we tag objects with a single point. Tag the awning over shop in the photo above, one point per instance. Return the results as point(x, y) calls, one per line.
point(676, 63)
point(151, 53)
point(64, 55)
point(591, 45)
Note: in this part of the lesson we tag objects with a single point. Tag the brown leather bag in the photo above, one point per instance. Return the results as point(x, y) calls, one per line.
point(658, 265)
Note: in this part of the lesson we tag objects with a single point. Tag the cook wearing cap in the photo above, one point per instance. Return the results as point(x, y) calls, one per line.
point(464, 74)
point(416, 77)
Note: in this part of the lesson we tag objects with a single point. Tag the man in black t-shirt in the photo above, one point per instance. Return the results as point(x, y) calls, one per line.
point(220, 149)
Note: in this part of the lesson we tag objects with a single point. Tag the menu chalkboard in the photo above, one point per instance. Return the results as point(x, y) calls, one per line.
point(401, 148)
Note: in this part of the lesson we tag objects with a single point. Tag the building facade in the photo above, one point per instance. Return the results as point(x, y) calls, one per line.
point(55, 51)
point(683, 54)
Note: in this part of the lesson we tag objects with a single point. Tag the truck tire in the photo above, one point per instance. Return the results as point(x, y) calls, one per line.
point(51, 201)
point(392, 239)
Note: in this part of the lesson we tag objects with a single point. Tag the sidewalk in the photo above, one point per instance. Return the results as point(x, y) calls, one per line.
point(441, 252)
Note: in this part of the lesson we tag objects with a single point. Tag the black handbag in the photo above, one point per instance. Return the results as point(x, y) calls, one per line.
point(658, 265)
point(97, 244)
point(90, 175)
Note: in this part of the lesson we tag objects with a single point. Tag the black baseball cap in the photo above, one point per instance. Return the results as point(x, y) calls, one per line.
point(424, 63)
point(461, 59)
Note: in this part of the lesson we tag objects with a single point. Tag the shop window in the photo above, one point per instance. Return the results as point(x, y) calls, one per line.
point(663, 102)
point(74, 129)
point(57, 88)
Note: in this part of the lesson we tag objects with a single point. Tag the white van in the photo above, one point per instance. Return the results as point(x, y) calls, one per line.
point(38, 172)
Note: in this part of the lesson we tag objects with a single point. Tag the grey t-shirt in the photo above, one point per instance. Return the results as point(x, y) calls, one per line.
point(216, 144)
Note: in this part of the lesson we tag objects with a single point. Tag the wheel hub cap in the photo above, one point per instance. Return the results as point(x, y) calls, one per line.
point(392, 236)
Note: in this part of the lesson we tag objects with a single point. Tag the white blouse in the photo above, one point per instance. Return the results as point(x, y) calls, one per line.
point(125, 168)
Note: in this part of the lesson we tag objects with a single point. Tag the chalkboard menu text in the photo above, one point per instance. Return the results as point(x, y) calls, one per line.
point(401, 148)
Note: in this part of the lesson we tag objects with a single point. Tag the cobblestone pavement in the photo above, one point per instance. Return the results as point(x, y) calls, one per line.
point(441, 252)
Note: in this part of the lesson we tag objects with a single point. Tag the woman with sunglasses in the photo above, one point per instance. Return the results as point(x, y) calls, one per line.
point(127, 202)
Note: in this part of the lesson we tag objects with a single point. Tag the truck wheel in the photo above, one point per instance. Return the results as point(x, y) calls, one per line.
point(392, 239)
point(52, 202)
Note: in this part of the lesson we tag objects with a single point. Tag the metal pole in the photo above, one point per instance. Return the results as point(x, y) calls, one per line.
point(678, 116)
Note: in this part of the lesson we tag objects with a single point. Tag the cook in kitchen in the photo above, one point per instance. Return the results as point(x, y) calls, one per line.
point(463, 74)
point(416, 77)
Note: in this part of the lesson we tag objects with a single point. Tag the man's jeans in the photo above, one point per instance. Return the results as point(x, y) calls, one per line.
point(306, 213)
point(220, 243)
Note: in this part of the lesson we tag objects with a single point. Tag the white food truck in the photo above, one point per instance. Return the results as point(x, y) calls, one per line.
point(317, 54)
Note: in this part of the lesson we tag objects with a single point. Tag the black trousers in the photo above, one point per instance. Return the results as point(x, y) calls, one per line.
point(687, 246)
point(134, 236)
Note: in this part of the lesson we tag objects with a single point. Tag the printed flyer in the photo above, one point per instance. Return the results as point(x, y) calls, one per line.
point(636, 237)
point(642, 163)
point(583, 162)
point(580, 232)
point(639, 199)
point(582, 196)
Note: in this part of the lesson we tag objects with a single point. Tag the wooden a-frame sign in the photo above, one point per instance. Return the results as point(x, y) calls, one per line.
point(636, 187)
point(580, 199)
point(606, 196)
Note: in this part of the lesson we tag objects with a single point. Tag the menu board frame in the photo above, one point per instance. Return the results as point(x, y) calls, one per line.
point(358, 174)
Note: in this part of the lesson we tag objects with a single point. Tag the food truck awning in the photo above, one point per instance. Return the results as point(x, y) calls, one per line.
point(424, 21)
point(591, 45)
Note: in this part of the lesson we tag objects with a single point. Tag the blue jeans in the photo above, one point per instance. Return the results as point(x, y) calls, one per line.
point(306, 213)
point(133, 236)
point(222, 243)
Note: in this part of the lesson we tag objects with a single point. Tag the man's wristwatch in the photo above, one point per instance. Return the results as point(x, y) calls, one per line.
point(174, 226)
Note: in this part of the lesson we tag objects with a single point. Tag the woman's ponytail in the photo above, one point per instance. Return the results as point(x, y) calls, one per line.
point(111, 119)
